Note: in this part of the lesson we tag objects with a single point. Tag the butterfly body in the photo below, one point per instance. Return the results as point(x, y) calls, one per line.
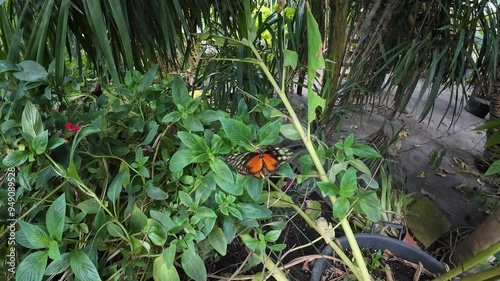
point(258, 163)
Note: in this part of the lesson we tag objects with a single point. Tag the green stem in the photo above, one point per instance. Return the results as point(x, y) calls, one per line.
point(488, 274)
point(277, 273)
point(314, 156)
point(475, 260)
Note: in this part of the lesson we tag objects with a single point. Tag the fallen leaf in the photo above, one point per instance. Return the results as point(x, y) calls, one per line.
point(441, 174)
point(427, 193)
point(462, 185)
point(422, 175)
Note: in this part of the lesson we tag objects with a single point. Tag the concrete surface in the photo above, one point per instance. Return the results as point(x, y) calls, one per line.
point(459, 141)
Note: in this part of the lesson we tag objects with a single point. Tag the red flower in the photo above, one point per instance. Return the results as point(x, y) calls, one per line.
point(57, 110)
point(72, 127)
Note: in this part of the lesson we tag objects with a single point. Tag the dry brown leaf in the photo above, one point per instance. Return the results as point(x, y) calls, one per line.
point(422, 175)
point(427, 193)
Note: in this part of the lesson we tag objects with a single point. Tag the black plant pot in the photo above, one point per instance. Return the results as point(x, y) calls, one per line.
point(379, 242)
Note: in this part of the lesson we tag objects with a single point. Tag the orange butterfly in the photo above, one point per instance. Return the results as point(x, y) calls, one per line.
point(259, 164)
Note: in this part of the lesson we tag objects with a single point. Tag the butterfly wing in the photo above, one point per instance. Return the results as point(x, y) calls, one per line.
point(246, 162)
point(259, 163)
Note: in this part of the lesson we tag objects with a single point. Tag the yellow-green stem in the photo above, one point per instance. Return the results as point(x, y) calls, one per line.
point(477, 259)
point(312, 152)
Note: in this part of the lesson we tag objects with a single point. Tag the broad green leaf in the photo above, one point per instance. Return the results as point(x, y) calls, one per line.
point(348, 183)
point(169, 255)
point(360, 166)
point(341, 207)
point(489, 124)
point(291, 58)
point(16, 158)
point(335, 170)
point(253, 211)
point(492, 140)
point(365, 151)
point(155, 193)
point(55, 218)
point(59, 265)
point(370, 205)
point(192, 123)
point(369, 181)
point(55, 141)
point(349, 141)
point(221, 169)
point(218, 240)
point(7, 66)
point(31, 71)
point(82, 267)
point(162, 271)
point(115, 188)
point(172, 117)
point(156, 232)
point(236, 131)
point(272, 235)
point(252, 185)
point(328, 188)
point(193, 265)
point(31, 121)
point(54, 250)
point(151, 133)
point(181, 159)
point(37, 237)
point(314, 61)
point(147, 79)
point(137, 220)
point(185, 198)
point(89, 206)
point(40, 142)
point(32, 267)
point(290, 132)
point(226, 183)
point(493, 169)
point(269, 132)
point(193, 142)
point(115, 231)
point(180, 91)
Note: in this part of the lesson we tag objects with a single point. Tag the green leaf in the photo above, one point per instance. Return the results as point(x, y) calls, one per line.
point(32, 267)
point(218, 240)
point(40, 142)
point(193, 265)
point(272, 235)
point(180, 91)
point(54, 250)
point(181, 159)
point(290, 58)
point(89, 206)
point(221, 169)
point(192, 123)
point(236, 131)
point(137, 220)
point(151, 133)
point(341, 207)
point(37, 237)
point(493, 139)
point(253, 211)
point(82, 267)
point(156, 232)
point(155, 193)
point(16, 158)
point(169, 255)
point(349, 141)
point(493, 169)
point(360, 166)
point(31, 121)
point(193, 142)
point(115, 188)
point(163, 271)
point(7, 66)
point(31, 71)
point(269, 132)
point(348, 183)
point(370, 205)
point(328, 188)
point(55, 141)
point(147, 79)
point(172, 117)
point(55, 218)
point(289, 131)
point(59, 265)
point(365, 151)
point(489, 124)
point(115, 231)
point(61, 33)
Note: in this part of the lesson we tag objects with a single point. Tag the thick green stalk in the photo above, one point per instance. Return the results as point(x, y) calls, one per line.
point(477, 259)
point(312, 152)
